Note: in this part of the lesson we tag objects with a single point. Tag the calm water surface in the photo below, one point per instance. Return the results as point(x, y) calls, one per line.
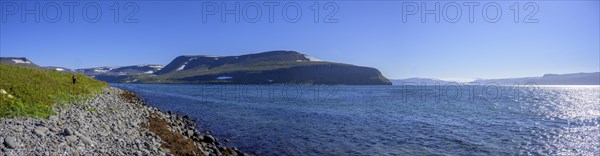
point(390, 120)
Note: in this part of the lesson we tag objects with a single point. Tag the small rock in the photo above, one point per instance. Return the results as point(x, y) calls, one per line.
point(87, 140)
point(147, 145)
point(68, 132)
point(226, 140)
point(53, 118)
point(19, 129)
point(40, 131)
point(71, 138)
point(209, 139)
point(146, 152)
point(10, 142)
point(217, 152)
point(189, 133)
point(76, 133)
point(9, 154)
point(198, 138)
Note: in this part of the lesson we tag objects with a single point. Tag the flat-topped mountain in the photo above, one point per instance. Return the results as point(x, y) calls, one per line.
point(263, 68)
point(207, 62)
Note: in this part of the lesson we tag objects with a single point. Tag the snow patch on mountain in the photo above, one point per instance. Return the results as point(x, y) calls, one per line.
point(21, 61)
point(182, 66)
point(101, 70)
point(312, 59)
point(156, 66)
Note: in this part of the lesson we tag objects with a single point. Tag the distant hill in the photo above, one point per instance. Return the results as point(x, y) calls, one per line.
point(117, 74)
point(24, 62)
point(108, 74)
point(17, 61)
point(262, 68)
point(547, 79)
point(419, 81)
point(550, 79)
point(62, 69)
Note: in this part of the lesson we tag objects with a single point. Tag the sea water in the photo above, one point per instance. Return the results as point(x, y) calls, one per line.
point(389, 120)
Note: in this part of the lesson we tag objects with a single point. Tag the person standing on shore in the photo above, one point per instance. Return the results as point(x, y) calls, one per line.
point(74, 78)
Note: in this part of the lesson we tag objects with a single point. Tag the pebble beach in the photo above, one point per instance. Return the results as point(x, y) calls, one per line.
point(115, 122)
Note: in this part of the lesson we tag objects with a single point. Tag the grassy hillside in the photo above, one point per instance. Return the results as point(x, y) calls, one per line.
point(177, 76)
point(33, 91)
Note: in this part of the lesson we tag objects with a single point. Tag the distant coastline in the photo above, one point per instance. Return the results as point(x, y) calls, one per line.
point(545, 80)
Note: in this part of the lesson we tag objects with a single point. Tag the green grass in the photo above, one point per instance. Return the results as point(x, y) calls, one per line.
point(35, 91)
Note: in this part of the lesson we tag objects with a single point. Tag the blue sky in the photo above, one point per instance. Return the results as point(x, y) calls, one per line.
point(565, 39)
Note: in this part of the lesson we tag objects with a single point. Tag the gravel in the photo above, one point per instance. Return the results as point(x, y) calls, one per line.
point(106, 124)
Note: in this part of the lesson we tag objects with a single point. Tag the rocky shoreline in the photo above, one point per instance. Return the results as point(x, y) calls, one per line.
point(115, 122)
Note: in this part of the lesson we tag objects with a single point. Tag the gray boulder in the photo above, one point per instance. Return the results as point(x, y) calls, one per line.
point(11, 142)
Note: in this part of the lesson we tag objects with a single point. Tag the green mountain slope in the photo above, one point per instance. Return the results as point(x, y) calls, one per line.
point(262, 68)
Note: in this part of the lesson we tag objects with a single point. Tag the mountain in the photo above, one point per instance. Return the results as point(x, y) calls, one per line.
point(419, 81)
point(117, 74)
point(262, 68)
point(550, 79)
point(62, 69)
point(17, 61)
point(24, 62)
point(108, 74)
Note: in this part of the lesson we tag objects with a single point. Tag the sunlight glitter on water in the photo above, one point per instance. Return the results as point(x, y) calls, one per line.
point(374, 120)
